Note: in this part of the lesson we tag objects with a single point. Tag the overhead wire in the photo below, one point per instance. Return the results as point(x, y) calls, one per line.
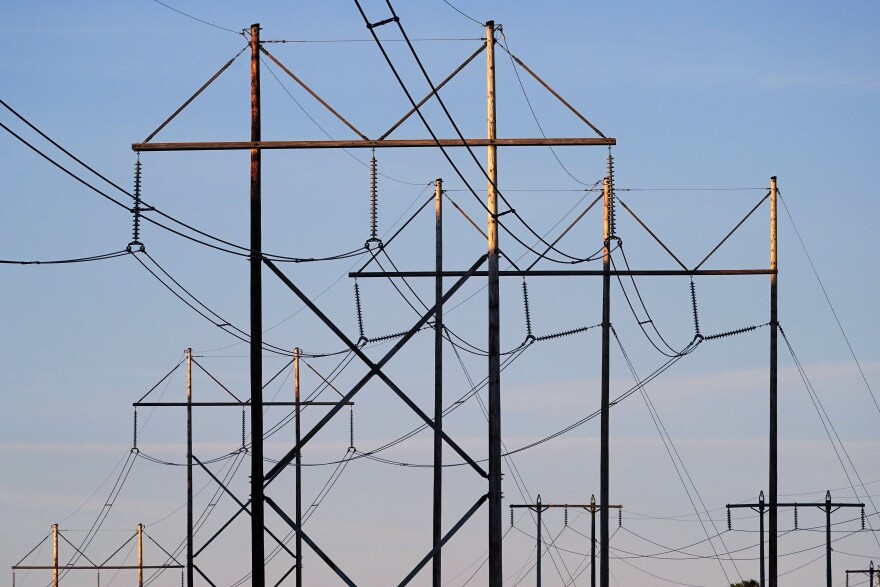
point(190, 16)
point(671, 450)
point(443, 150)
point(825, 419)
point(828, 300)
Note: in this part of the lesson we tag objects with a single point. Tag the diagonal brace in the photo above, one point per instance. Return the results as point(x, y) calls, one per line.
point(242, 506)
point(310, 542)
point(651, 232)
point(432, 92)
point(375, 369)
point(445, 539)
point(735, 228)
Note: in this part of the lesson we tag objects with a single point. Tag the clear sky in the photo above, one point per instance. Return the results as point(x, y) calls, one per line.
point(701, 97)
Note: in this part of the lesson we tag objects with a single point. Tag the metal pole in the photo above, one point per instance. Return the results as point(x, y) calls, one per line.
point(538, 569)
point(593, 541)
point(438, 383)
point(55, 554)
point(495, 574)
point(189, 472)
point(140, 532)
point(257, 499)
point(761, 524)
point(604, 497)
point(298, 408)
point(828, 538)
point(774, 326)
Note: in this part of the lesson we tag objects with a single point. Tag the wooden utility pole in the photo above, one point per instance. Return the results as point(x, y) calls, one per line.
point(298, 408)
point(437, 530)
point(539, 507)
point(774, 328)
point(189, 472)
point(258, 554)
point(495, 576)
point(55, 554)
point(140, 548)
point(604, 457)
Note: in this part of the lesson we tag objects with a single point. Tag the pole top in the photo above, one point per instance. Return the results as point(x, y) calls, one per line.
point(490, 23)
point(773, 178)
point(761, 496)
point(593, 499)
point(828, 495)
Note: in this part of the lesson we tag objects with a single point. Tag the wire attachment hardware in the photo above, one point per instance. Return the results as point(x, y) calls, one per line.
point(795, 517)
point(134, 442)
point(620, 517)
point(566, 515)
point(730, 523)
point(511, 523)
point(863, 520)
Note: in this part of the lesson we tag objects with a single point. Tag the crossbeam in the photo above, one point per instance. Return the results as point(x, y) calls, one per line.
point(370, 144)
point(569, 273)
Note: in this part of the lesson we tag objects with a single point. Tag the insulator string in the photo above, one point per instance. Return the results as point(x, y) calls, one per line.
point(360, 313)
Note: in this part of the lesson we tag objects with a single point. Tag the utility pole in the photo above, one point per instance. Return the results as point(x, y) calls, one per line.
point(258, 553)
point(538, 508)
point(592, 507)
point(826, 506)
point(774, 327)
point(140, 548)
point(437, 533)
point(760, 508)
point(55, 554)
point(495, 574)
point(869, 571)
point(605, 425)
point(189, 472)
point(298, 408)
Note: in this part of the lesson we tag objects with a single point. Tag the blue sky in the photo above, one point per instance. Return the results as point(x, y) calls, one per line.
point(699, 95)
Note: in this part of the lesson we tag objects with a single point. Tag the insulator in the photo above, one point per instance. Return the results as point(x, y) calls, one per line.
point(360, 314)
point(730, 333)
point(13, 578)
point(525, 289)
point(847, 580)
point(351, 428)
point(511, 517)
point(612, 223)
point(694, 306)
point(863, 522)
point(243, 434)
point(374, 201)
point(134, 442)
point(136, 223)
point(795, 517)
point(565, 333)
point(387, 336)
point(566, 515)
point(729, 521)
point(99, 578)
point(620, 517)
